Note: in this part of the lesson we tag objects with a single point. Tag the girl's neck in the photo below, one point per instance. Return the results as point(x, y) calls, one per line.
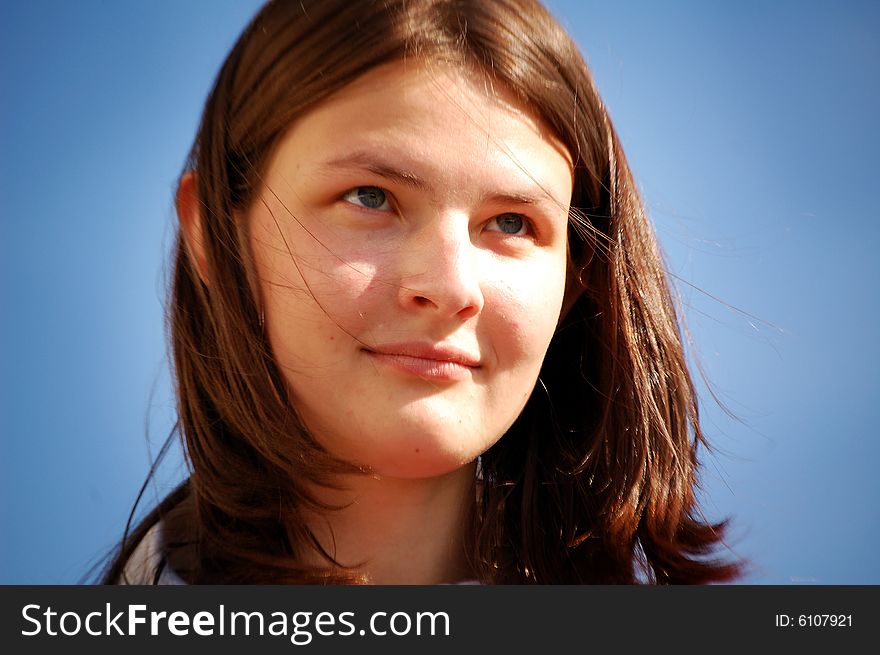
point(399, 531)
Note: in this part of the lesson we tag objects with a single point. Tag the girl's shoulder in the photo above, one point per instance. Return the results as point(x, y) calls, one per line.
point(148, 563)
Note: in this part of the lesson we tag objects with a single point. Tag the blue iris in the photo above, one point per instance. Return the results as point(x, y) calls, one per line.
point(510, 223)
point(371, 196)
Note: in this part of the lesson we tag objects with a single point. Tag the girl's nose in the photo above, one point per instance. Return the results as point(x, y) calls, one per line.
point(445, 279)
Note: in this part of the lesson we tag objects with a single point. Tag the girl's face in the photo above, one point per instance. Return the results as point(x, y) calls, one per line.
point(410, 241)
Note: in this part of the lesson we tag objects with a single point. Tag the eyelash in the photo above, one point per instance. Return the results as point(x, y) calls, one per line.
point(526, 224)
point(354, 195)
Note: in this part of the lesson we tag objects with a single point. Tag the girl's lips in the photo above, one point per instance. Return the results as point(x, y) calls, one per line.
point(425, 360)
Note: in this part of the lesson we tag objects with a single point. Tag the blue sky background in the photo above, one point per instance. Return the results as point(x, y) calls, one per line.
point(752, 130)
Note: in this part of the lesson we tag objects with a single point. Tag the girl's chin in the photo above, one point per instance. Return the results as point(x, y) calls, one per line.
point(421, 458)
point(422, 440)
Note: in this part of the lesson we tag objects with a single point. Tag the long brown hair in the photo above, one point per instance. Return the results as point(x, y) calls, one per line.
point(594, 483)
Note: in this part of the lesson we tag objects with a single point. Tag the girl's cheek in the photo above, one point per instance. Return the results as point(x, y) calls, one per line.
point(529, 303)
point(350, 291)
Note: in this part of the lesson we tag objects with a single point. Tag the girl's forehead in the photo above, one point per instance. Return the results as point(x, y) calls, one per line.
point(440, 117)
point(454, 93)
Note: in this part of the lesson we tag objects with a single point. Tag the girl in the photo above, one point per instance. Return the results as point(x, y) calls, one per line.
point(421, 328)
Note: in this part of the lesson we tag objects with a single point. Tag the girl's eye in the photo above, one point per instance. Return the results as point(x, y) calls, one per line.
point(371, 197)
point(515, 224)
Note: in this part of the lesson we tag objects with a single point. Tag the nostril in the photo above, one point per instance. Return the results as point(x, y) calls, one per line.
point(469, 312)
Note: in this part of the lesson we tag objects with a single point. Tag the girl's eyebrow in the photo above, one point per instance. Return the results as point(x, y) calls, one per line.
point(367, 161)
point(360, 160)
